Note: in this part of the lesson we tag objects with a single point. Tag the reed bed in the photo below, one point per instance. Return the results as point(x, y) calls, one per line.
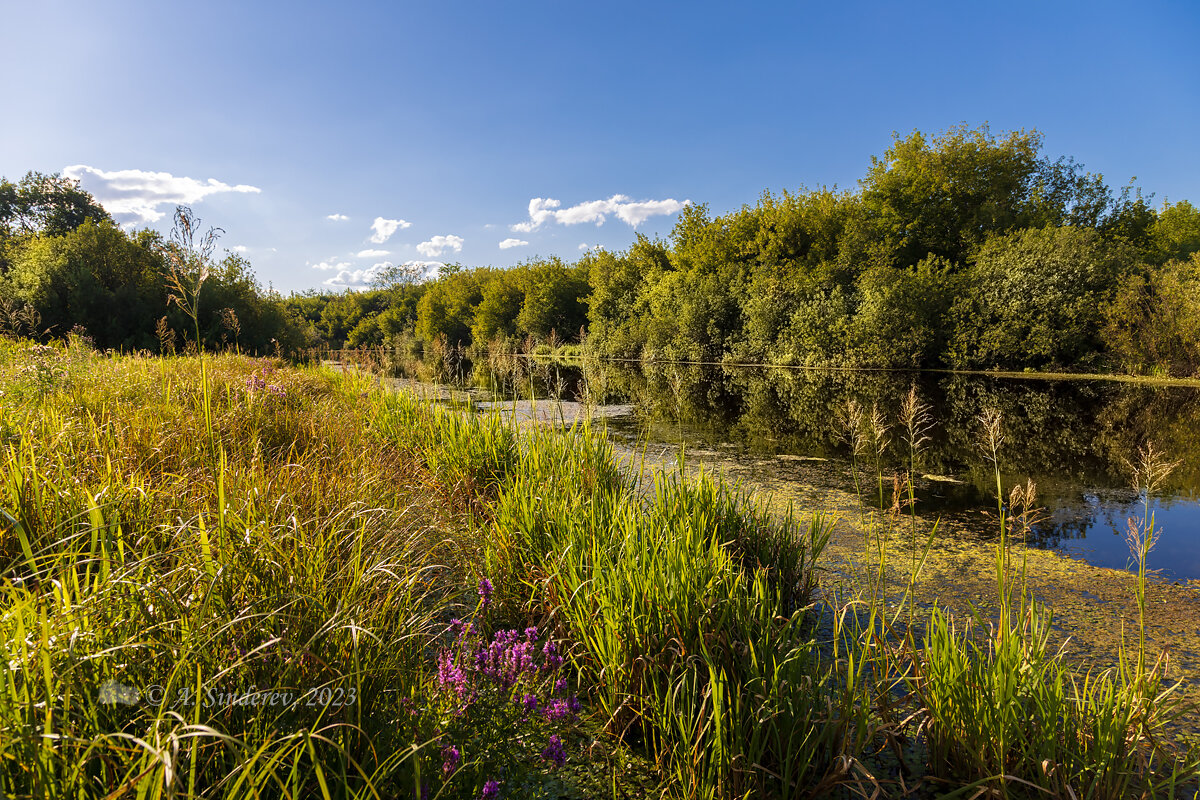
point(225, 577)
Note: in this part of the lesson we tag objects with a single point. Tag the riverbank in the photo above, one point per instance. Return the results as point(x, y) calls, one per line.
point(378, 595)
point(1094, 608)
point(1150, 380)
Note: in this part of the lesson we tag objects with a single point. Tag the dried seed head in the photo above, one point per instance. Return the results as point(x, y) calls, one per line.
point(1140, 538)
point(852, 427)
point(992, 436)
point(879, 430)
point(914, 416)
point(1150, 468)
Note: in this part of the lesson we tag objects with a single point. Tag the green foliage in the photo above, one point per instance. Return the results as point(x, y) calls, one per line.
point(1175, 232)
point(95, 276)
point(553, 299)
point(618, 311)
point(966, 249)
point(446, 310)
point(64, 261)
point(1153, 321)
point(818, 333)
point(45, 204)
point(501, 303)
point(1036, 298)
point(946, 196)
point(899, 320)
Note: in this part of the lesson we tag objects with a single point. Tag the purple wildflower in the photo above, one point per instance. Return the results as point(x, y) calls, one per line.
point(551, 659)
point(450, 675)
point(485, 591)
point(560, 686)
point(506, 659)
point(450, 760)
point(529, 702)
point(554, 752)
point(559, 710)
point(491, 790)
point(531, 633)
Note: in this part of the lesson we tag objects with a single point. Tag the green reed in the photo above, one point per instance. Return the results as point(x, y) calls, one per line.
point(341, 527)
point(1004, 713)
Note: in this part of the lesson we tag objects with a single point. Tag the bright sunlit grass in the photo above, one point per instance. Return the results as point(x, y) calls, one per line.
point(359, 593)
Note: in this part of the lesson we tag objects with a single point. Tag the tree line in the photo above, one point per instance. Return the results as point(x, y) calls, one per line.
point(66, 266)
point(965, 249)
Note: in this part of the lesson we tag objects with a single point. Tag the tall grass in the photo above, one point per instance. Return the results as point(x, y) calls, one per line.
point(336, 541)
point(1004, 713)
point(317, 558)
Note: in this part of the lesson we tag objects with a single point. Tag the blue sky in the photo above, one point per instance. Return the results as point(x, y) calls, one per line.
point(449, 119)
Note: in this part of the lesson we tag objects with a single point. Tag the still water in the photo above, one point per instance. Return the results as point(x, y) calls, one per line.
point(1075, 438)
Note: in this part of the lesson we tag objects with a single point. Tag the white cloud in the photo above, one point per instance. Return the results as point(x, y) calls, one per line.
point(428, 269)
point(337, 217)
point(331, 264)
point(347, 278)
point(240, 248)
point(135, 196)
point(384, 228)
point(540, 210)
point(352, 278)
point(435, 246)
point(634, 213)
point(583, 246)
point(507, 243)
point(372, 253)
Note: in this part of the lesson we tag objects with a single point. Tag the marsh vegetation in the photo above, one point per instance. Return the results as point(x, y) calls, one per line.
point(229, 575)
point(512, 612)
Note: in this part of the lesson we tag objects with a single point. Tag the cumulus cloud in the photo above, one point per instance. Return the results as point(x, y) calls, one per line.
point(337, 217)
point(438, 244)
point(384, 228)
point(507, 243)
point(583, 246)
point(540, 210)
point(331, 264)
point(347, 278)
point(135, 196)
point(240, 248)
point(632, 212)
point(352, 278)
point(372, 253)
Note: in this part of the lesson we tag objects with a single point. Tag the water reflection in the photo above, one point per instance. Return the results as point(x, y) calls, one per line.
point(1073, 437)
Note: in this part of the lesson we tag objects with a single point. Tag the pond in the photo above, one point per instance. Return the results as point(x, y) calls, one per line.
point(1075, 438)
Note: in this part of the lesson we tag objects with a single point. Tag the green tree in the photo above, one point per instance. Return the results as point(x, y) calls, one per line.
point(1036, 298)
point(948, 195)
point(1175, 232)
point(1153, 322)
point(618, 312)
point(502, 299)
point(447, 307)
point(96, 276)
point(41, 204)
point(899, 320)
point(555, 299)
point(46, 204)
